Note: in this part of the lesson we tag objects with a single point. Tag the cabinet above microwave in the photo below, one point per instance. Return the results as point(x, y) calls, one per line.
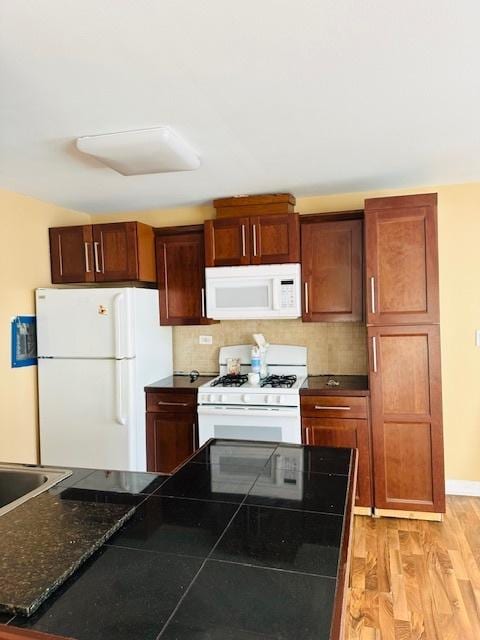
point(267, 239)
point(257, 292)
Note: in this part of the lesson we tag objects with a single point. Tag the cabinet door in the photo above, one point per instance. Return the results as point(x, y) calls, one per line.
point(337, 432)
point(332, 271)
point(402, 260)
point(115, 251)
point(275, 239)
point(171, 439)
point(71, 254)
point(181, 278)
point(406, 407)
point(227, 242)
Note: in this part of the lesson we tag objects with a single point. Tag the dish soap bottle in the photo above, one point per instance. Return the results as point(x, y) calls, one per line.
point(255, 360)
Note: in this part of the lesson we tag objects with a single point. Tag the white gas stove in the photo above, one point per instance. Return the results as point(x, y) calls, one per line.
point(230, 407)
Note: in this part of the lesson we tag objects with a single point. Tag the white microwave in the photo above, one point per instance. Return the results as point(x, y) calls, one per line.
point(253, 292)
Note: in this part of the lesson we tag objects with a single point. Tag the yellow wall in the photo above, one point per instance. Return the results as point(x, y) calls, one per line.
point(459, 233)
point(24, 265)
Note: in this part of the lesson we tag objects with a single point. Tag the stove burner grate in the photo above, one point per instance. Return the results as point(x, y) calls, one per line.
point(278, 382)
point(230, 380)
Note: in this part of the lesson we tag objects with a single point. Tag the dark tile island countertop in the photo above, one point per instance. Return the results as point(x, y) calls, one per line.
point(349, 386)
point(245, 541)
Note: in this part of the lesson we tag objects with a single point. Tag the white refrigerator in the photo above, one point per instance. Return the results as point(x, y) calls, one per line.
point(97, 349)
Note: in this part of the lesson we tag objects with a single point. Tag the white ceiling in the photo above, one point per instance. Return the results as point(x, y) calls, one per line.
point(311, 97)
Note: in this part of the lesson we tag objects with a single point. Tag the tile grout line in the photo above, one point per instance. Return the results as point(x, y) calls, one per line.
point(278, 569)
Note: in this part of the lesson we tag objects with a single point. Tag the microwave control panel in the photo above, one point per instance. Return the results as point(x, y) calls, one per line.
point(287, 295)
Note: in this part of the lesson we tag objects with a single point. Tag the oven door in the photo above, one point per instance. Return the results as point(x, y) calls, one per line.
point(268, 424)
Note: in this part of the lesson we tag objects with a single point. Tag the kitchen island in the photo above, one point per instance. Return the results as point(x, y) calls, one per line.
point(255, 545)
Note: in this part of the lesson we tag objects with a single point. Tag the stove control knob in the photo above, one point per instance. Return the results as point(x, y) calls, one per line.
point(281, 399)
point(269, 399)
point(223, 397)
point(211, 398)
point(246, 398)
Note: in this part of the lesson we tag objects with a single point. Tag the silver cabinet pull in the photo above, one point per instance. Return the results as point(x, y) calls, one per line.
point(60, 259)
point(330, 408)
point(374, 353)
point(306, 297)
point(307, 435)
point(95, 254)
point(372, 294)
point(87, 262)
point(203, 302)
point(101, 249)
point(172, 404)
point(254, 240)
point(243, 241)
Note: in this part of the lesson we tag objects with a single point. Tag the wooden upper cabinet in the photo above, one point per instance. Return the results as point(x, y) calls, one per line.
point(71, 254)
point(269, 239)
point(114, 252)
point(124, 251)
point(181, 276)
point(402, 260)
point(275, 239)
point(405, 389)
point(332, 269)
point(227, 242)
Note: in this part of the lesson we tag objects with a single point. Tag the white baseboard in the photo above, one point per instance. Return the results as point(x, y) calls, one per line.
point(462, 488)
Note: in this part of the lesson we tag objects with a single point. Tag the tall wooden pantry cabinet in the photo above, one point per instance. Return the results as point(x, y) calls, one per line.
point(401, 252)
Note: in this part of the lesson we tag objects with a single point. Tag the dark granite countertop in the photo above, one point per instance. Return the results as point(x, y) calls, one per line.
point(179, 381)
point(47, 538)
point(349, 386)
point(246, 540)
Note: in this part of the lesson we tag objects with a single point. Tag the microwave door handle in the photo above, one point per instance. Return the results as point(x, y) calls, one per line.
point(276, 294)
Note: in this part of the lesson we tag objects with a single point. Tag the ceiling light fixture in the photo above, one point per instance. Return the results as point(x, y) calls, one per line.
point(143, 151)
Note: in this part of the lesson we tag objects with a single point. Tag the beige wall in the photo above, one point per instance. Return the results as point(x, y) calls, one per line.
point(459, 231)
point(24, 265)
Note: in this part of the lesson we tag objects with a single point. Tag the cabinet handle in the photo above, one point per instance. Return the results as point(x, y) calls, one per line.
point(203, 302)
point(95, 253)
point(172, 404)
point(193, 436)
point(87, 262)
point(372, 294)
point(330, 408)
point(101, 249)
point(254, 240)
point(60, 259)
point(243, 241)
point(306, 296)
point(307, 435)
point(374, 352)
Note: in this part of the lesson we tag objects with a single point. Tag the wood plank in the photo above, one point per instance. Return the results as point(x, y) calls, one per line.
point(421, 579)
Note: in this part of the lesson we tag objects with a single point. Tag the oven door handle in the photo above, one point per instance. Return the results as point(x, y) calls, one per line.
point(264, 412)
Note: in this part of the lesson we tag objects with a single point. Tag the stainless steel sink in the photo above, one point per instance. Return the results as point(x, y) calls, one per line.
point(19, 483)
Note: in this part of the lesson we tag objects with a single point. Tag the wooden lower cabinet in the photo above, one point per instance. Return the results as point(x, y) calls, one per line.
point(171, 439)
point(172, 429)
point(324, 431)
point(407, 440)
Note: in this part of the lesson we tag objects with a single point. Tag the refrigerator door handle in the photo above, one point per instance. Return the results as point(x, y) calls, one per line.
point(119, 417)
point(117, 322)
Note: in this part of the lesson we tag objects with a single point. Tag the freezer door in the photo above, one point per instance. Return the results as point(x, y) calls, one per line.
point(85, 323)
point(87, 417)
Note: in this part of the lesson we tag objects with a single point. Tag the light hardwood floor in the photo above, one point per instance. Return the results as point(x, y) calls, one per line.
point(415, 580)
